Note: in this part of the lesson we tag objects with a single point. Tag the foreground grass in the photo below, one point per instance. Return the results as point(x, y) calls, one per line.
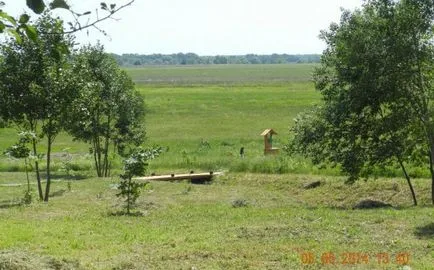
point(188, 226)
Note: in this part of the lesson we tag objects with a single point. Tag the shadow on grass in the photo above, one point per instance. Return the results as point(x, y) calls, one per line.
point(124, 213)
point(58, 193)
point(426, 231)
point(9, 204)
point(64, 176)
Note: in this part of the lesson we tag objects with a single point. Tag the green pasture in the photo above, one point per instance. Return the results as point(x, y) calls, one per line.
point(205, 126)
point(222, 74)
point(203, 115)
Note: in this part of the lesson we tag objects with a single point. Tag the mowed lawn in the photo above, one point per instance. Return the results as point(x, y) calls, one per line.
point(202, 115)
point(240, 221)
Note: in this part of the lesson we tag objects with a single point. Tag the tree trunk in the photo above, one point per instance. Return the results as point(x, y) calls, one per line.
point(106, 147)
point(98, 156)
point(106, 160)
point(48, 185)
point(408, 182)
point(431, 169)
point(38, 176)
point(95, 157)
point(128, 195)
point(27, 175)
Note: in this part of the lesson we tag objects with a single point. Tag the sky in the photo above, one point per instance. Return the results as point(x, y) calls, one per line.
point(210, 27)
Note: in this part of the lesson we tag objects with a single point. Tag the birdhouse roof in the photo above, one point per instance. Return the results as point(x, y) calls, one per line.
point(268, 131)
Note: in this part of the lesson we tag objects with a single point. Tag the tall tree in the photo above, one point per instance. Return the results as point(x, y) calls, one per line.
point(109, 113)
point(376, 81)
point(38, 86)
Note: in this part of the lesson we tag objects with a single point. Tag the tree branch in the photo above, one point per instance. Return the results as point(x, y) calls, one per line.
point(98, 20)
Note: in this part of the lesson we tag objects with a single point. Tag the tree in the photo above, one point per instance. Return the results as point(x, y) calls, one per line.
point(135, 165)
point(38, 85)
point(109, 113)
point(21, 69)
point(376, 81)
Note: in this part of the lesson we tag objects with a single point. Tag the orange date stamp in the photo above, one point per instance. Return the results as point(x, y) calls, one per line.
point(354, 258)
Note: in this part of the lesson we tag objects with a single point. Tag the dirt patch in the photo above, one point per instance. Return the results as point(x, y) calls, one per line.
point(19, 260)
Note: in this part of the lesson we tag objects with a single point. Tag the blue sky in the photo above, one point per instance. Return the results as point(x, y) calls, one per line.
point(212, 27)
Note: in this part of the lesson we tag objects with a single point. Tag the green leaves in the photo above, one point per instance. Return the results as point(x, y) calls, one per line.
point(15, 34)
point(372, 78)
point(37, 6)
point(59, 4)
point(30, 31)
point(111, 8)
point(6, 17)
point(24, 18)
point(135, 165)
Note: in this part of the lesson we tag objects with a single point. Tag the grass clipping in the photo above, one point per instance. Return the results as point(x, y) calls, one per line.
point(14, 260)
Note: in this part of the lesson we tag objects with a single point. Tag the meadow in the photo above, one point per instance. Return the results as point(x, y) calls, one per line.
point(203, 115)
point(257, 215)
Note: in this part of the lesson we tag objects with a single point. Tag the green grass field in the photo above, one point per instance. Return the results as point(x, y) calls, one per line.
point(222, 74)
point(255, 216)
point(187, 110)
point(189, 226)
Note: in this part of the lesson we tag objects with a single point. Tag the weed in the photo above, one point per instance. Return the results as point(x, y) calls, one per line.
point(27, 198)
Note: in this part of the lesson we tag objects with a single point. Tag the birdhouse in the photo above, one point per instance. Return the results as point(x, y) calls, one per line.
point(268, 141)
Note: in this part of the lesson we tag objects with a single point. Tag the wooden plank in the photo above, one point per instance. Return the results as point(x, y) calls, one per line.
point(177, 177)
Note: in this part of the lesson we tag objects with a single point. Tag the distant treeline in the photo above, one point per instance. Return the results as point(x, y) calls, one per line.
point(194, 59)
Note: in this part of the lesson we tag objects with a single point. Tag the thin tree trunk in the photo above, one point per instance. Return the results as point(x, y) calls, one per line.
point(106, 161)
point(431, 169)
point(48, 185)
point(128, 195)
point(97, 165)
point(38, 175)
point(408, 181)
point(106, 147)
point(27, 176)
point(98, 155)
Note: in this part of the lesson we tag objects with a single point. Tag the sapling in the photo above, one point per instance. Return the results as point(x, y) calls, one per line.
point(135, 165)
point(20, 150)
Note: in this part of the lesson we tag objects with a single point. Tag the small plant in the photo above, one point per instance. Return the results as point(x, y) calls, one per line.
point(204, 145)
point(27, 198)
point(135, 165)
point(186, 157)
point(20, 150)
point(67, 166)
